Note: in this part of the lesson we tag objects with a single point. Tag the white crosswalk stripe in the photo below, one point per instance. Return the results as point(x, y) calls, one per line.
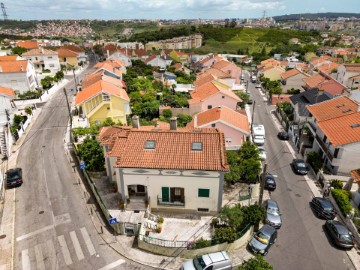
point(65, 250)
point(77, 246)
point(87, 240)
point(25, 259)
point(39, 257)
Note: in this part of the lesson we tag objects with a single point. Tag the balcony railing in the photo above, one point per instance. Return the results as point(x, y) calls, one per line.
point(177, 202)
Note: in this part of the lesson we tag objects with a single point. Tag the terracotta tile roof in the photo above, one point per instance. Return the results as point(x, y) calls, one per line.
point(214, 71)
point(314, 80)
point(28, 44)
point(40, 51)
point(67, 53)
point(342, 130)
point(355, 174)
point(352, 67)
point(173, 149)
point(204, 79)
point(73, 48)
point(7, 91)
point(93, 78)
point(13, 66)
point(208, 89)
point(98, 88)
point(333, 108)
point(8, 58)
point(289, 73)
point(224, 114)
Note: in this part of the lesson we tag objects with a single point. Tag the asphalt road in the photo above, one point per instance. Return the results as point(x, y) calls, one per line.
point(52, 226)
point(302, 243)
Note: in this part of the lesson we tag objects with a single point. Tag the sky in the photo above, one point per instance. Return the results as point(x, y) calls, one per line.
point(169, 9)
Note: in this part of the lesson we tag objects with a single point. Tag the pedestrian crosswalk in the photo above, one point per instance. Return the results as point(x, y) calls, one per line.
point(72, 247)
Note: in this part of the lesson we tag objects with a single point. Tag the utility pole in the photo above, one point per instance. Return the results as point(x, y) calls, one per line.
point(68, 106)
point(262, 184)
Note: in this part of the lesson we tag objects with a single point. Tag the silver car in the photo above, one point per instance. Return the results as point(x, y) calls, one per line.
point(272, 215)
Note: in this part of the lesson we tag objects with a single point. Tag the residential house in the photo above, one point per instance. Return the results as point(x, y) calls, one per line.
point(156, 61)
point(18, 75)
point(169, 169)
point(229, 67)
point(349, 75)
point(273, 73)
point(43, 59)
point(292, 78)
point(120, 56)
point(102, 99)
point(335, 127)
point(7, 108)
point(68, 57)
point(211, 95)
point(233, 124)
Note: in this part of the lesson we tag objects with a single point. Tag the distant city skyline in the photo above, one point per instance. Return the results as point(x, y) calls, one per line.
point(169, 9)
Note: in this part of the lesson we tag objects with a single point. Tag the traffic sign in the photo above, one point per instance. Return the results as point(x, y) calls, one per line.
point(113, 221)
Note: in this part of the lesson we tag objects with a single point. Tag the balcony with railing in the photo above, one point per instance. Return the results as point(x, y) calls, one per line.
point(179, 201)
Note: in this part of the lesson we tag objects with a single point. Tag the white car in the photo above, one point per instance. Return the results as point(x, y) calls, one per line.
point(262, 153)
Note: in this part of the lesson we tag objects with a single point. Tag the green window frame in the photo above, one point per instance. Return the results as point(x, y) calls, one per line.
point(204, 192)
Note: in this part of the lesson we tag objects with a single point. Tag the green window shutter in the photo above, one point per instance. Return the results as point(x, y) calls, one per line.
point(202, 192)
point(165, 194)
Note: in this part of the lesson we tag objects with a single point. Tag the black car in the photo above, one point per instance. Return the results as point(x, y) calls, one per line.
point(14, 177)
point(270, 183)
point(283, 135)
point(299, 166)
point(323, 208)
point(262, 240)
point(339, 234)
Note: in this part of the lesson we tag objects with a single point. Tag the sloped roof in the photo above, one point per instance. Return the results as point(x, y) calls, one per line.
point(333, 108)
point(7, 91)
point(173, 149)
point(342, 130)
point(13, 66)
point(100, 87)
point(224, 114)
point(40, 51)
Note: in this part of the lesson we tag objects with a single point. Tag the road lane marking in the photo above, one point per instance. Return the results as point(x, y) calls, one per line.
point(22, 237)
point(77, 246)
point(39, 258)
point(87, 240)
point(51, 254)
point(25, 260)
point(65, 250)
point(112, 265)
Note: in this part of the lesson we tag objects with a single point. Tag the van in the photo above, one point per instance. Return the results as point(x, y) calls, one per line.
point(214, 261)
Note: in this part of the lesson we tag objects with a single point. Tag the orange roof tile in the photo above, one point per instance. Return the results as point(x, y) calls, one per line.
point(342, 130)
point(173, 149)
point(225, 114)
point(13, 66)
point(67, 53)
point(40, 51)
point(28, 44)
point(289, 73)
point(7, 91)
point(333, 108)
point(98, 88)
point(208, 89)
point(8, 58)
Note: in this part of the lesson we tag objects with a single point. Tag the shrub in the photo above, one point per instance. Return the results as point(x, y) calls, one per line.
point(342, 200)
point(337, 184)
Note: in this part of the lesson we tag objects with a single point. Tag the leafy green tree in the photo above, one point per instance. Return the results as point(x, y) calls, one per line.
point(256, 263)
point(92, 153)
point(18, 50)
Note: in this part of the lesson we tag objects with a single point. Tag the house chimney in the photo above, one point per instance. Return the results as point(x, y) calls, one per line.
point(173, 123)
point(135, 122)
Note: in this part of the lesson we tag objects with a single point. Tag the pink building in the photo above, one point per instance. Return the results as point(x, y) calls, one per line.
point(234, 125)
point(210, 95)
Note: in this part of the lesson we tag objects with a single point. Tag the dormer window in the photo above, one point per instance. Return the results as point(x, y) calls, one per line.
point(105, 97)
point(196, 146)
point(150, 145)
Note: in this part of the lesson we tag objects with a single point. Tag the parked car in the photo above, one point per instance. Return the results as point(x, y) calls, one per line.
point(14, 177)
point(339, 234)
point(270, 183)
point(299, 166)
point(214, 261)
point(262, 153)
point(283, 135)
point(262, 240)
point(323, 208)
point(272, 214)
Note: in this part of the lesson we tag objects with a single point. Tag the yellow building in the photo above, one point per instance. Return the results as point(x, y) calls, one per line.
point(67, 56)
point(103, 99)
point(273, 73)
